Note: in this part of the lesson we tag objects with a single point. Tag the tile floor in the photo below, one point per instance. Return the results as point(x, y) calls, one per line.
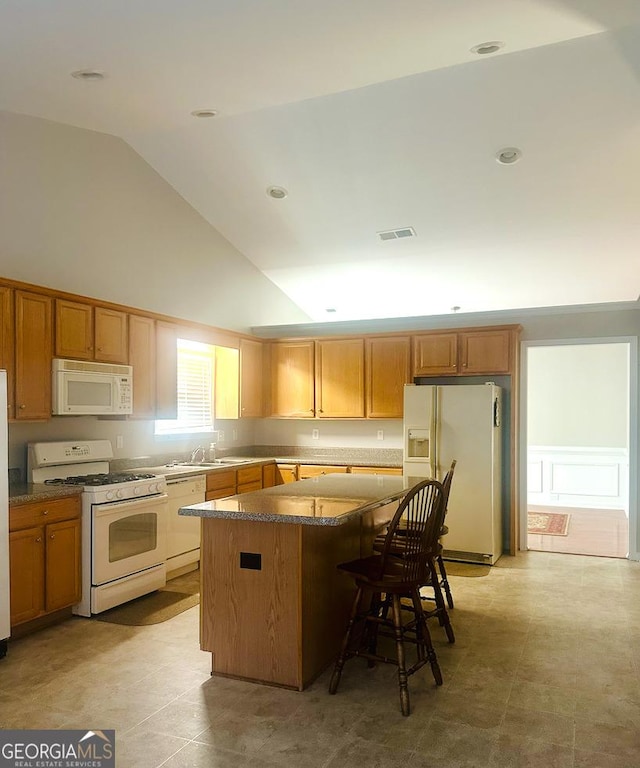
point(545, 672)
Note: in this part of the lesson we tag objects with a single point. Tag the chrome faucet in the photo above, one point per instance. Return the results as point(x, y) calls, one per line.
point(195, 452)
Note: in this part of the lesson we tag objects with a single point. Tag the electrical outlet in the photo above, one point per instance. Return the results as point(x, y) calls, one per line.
point(235, 434)
point(315, 434)
point(220, 436)
point(119, 441)
point(380, 434)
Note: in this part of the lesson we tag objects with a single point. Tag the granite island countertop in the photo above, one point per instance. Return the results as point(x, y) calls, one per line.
point(323, 500)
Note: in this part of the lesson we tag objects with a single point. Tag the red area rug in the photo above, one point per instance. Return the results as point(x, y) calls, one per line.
point(549, 523)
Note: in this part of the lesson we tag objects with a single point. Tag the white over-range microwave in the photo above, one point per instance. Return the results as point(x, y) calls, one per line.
point(91, 389)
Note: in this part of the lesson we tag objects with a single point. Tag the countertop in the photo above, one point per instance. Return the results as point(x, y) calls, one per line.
point(323, 500)
point(23, 493)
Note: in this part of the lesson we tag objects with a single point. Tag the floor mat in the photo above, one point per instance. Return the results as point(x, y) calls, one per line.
point(548, 523)
point(179, 595)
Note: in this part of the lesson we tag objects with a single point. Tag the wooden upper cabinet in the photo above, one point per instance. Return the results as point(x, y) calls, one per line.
point(111, 336)
point(7, 331)
point(388, 369)
point(226, 383)
point(251, 379)
point(85, 332)
point(482, 351)
point(292, 379)
point(74, 330)
point(142, 356)
point(435, 354)
point(34, 348)
point(485, 352)
point(340, 378)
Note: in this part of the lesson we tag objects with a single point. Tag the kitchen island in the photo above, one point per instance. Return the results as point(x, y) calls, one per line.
point(273, 607)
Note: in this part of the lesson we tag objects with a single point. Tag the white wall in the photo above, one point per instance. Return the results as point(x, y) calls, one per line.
point(578, 395)
point(80, 211)
point(332, 433)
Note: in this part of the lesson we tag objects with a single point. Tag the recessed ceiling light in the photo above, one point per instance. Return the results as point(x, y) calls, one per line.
point(508, 155)
point(204, 113)
point(330, 309)
point(484, 48)
point(277, 192)
point(455, 309)
point(88, 74)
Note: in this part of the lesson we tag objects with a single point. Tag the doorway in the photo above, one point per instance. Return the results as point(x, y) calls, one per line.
point(577, 447)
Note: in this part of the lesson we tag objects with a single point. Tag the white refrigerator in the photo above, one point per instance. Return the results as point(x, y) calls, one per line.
point(461, 422)
point(4, 518)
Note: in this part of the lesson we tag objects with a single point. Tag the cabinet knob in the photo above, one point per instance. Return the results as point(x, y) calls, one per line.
point(89, 348)
point(52, 536)
point(45, 511)
point(320, 410)
point(39, 539)
point(22, 407)
point(99, 349)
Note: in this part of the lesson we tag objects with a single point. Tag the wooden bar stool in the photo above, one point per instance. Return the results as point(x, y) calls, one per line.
point(397, 572)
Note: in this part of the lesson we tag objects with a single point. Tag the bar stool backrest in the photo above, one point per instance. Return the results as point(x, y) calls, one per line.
point(421, 514)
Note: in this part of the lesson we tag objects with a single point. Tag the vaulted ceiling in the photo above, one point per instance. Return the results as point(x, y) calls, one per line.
point(373, 116)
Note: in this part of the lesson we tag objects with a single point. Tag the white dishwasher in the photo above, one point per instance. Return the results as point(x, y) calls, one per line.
point(183, 533)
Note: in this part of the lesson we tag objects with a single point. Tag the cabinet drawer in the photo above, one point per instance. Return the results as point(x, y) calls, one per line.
point(249, 475)
point(256, 485)
point(41, 512)
point(376, 470)
point(221, 479)
point(268, 475)
point(221, 493)
point(314, 470)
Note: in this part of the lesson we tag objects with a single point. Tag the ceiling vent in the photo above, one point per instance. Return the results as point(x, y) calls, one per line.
point(397, 234)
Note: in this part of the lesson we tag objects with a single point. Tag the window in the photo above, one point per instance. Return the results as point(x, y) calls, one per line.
point(196, 366)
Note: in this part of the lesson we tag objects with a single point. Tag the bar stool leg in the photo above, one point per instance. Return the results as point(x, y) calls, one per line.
point(443, 616)
point(423, 634)
point(402, 670)
point(445, 582)
point(340, 662)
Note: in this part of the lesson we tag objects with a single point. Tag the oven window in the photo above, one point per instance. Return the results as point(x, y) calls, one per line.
point(133, 535)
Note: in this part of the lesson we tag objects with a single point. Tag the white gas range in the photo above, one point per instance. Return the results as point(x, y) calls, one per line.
point(124, 520)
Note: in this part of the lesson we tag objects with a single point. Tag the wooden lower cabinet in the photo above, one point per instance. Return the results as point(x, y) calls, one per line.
point(44, 558)
point(220, 484)
point(268, 475)
point(376, 470)
point(315, 470)
point(286, 473)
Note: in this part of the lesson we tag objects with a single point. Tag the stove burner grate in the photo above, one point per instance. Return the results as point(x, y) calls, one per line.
point(101, 479)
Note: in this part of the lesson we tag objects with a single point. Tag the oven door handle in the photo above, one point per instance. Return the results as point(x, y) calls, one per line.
point(128, 505)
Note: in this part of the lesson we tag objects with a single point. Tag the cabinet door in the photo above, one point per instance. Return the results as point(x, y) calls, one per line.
point(268, 475)
point(142, 356)
point(340, 378)
point(166, 371)
point(388, 368)
point(63, 567)
point(485, 352)
point(74, 330)
point(34, 347)
point(111, 336)
point(26, 574)
point(251, 379)
point(286, 473)
point(226, 383)
point(6, 344)
point(292, 382)
point(435, 354)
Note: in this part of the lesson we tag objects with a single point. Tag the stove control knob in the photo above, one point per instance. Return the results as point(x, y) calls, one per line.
point(119, 493)
point(136, 490)
point(154, 488)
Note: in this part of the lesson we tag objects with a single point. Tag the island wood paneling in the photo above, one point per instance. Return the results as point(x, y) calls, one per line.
point(250, 618)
